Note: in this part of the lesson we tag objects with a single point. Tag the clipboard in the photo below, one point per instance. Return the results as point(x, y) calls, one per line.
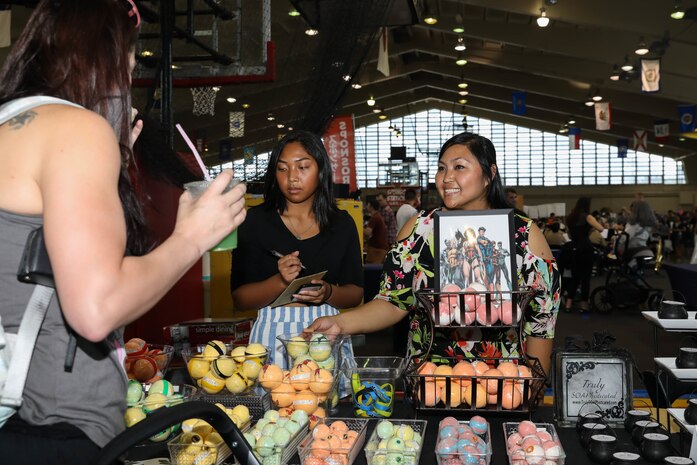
point(286, 296)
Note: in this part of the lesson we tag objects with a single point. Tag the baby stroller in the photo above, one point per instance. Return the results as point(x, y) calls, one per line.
point(625, 285)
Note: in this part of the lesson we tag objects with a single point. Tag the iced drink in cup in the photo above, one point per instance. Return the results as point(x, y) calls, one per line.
point(197, 188)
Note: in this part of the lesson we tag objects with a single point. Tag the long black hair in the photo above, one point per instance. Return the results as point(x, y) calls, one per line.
point(79, 51)
point(484, 151)
point(324, 205)
point(581, 210)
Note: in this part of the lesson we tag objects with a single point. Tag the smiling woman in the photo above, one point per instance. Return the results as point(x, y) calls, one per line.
point(300, 220)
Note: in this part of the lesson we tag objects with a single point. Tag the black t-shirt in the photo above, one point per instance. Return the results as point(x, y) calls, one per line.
point(337, 249)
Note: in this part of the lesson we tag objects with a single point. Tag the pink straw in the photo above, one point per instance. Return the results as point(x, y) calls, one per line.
point(206, 176)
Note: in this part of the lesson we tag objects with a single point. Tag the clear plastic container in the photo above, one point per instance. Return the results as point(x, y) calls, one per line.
point(375, 456)
point(344, 456)
point(478, 457)
point(556, 458)
point(373, 384)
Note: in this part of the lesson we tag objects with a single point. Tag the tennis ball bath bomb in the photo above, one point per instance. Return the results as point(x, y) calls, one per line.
point(320, 347)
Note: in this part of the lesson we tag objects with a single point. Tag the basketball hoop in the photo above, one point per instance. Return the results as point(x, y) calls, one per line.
point(204, 100)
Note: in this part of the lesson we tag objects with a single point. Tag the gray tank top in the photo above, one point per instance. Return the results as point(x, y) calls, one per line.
point(93, 396)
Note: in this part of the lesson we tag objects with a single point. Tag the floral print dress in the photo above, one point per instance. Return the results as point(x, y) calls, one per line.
point(409, 267)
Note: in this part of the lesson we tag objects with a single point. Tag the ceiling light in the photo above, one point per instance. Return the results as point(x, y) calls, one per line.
point(146, 53)
point(356, 85)
point(661, 145)
point(543, 20)
point(231, 99)
point(597, 97)
point(462, 101)
point(270, 117)
point(678, 11)
point(589, 102)
point(216, 88)
point(627, 66)
point(346, 77)
point(370, 101)
point(571, 121)
point(615, 76)
point(290, 128)
point(310, 31)
point(458, 29)
point(682, 139)
point(293, 12)
point(245, 105)
point(280, 125)
point(463, 85)
point(641, 49)
point(429, 18)
point(382, 116)
point(460, 46)
point(461, 61)
point(463, 92)
point(377, 109)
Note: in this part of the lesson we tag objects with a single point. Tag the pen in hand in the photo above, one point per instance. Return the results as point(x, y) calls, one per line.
point(280, 255)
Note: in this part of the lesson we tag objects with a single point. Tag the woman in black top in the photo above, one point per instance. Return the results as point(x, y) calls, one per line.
point(580, 222)
point(300, 220)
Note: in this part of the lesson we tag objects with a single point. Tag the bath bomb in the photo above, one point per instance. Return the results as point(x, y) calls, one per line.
point(133, 415)
point(223, 367)
point(256, 352)
point(161, 387)
point(214, 349)
point(320, 348)
point(241, 412)
point(385, 429)
point(296, 346)
point(154, 401)
point(211, 383)
point(270, 376)
point(134, 394)
point(236, 383)
point(198, 367)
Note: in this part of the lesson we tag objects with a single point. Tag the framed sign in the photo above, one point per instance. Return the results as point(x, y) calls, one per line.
point(591, 382)
point(474, 250)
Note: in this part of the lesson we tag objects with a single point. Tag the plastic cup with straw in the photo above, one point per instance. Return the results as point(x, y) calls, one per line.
point(196, 188)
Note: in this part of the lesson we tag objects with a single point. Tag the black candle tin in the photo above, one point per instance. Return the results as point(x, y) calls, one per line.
point(625, 458)
point(655, 447)
point(672, 310)
point(633, 416)
point(601, 447)
point(687, 358)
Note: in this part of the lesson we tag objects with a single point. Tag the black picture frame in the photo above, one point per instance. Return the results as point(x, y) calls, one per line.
point(470, 266)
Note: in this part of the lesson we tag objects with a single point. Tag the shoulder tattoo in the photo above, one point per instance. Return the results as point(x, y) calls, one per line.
point(21, 120)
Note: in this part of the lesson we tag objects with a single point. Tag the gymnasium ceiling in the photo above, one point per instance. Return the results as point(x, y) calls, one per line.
point(558, 66)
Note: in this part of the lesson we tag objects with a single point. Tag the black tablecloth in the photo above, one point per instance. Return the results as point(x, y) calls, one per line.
point(682, 279)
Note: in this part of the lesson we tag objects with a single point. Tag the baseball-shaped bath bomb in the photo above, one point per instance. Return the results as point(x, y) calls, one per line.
point(270, 376)
point(214, 349)
point(143, 368)
point(135, 346)
point(320, 347)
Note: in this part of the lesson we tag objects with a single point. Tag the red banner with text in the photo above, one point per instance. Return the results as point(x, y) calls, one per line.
point(339, 142)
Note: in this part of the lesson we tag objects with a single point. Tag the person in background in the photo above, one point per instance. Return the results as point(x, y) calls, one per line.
point(641, 221)
point(555, 236)
point(376, 233)
point(467, 180)
point(580, 222)
point(64, 166)
point(300, 220)
point(408, 208)
point(512, 197)
point(388, 217)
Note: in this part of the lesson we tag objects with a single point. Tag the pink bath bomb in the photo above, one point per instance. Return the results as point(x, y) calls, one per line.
point(514, 439)
point(544, 436)
point(526, 428)
point(482, 317)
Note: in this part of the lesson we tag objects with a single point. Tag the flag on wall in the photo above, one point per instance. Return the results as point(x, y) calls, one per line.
point(574, 138)
point(650, 75)
point(225, 150)
point(5, 25)
point(339, 141)
point(687, 117)
point(640, 137)
point(661, 131)
point(248, 153)
point(383, 55)
point(603, 118)
point(519, 106)
point(622, 148)
point(236, 124)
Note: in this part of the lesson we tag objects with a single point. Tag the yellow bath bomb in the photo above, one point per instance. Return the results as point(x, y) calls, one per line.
point(211, 383)
point(198, 367)
point(154, 401)
point(251, 368)
point(236, 383)
point(256, 351)
point(133, 415)
point(296, 346)
point(238, 354)
point(241, 412)
point(214, 349)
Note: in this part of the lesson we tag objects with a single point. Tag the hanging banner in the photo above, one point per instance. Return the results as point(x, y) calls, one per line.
point(650, 75)
point(236, 124)
point(519, 105)
point(339, 142)
point(574, 138)
point(622, 148)
point(225, 150)
point(603, 117)
point(383, 55)
point(687, 117)
point(661, 131)
point(640, 137)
